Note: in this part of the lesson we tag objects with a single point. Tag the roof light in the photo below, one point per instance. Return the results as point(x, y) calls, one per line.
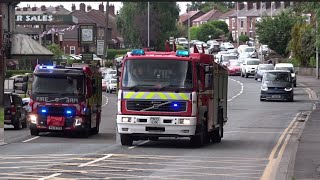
point(183, 53)
point(137, 52)
point(46, 67)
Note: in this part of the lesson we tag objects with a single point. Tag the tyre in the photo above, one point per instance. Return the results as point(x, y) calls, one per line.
point(255, 78)
point(291, 99)
point(34, 132)
point(85, 133)
point(262, 99)
point(295, 85)
point(126, 140)
point(24, 124)
point(247, 75)
point(241, 74)
point(17, 124)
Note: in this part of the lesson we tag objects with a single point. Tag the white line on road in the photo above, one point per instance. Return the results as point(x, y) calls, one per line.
point(241, 91)
point(31, 139)
point(107, 100)
point(51, 176)
point(142, 143)
point(97, 160)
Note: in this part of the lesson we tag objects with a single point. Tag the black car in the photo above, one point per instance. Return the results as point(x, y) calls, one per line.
point(261, 69)
point(14, 112)
point(276, 85)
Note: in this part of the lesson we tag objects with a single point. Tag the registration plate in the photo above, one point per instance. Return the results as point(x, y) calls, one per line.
point(276, 96)
point(55, 128)
point(155, 120)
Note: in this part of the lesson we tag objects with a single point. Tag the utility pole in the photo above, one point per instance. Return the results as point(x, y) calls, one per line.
point(189, 38)
point(2, 61)
point(148, 24)
point(317, 49)
point(237, 24)
point(106, 32)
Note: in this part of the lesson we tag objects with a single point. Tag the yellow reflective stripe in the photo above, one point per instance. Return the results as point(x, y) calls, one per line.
point(140, 94)
point(129, 95)
point(150, 95)
point(184, 96)
point(173, 96)
point(162, 96)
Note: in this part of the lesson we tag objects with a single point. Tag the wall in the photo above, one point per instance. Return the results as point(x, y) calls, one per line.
point(306, 71)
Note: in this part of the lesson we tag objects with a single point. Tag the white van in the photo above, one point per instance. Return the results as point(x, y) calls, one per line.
point(289, 67)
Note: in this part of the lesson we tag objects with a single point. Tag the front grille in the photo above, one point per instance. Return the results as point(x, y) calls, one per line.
point(163, 106)
point(56, 111)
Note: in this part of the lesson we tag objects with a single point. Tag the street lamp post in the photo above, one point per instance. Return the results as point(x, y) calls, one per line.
point(237, 32)
point(189, 38)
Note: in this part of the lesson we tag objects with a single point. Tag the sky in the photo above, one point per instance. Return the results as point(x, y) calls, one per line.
point(94, 5)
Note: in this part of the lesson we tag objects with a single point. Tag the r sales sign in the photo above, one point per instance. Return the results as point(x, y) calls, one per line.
point(34, 18)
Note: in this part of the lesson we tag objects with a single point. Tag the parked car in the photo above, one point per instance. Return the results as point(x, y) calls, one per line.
point(182, 41)
point(14, 112)
point(233, 51)
point(104, 84)
point(200, 44)
point(214, 48)
point(241, 47)
point(276, 85)
point(261, 69)
point(288, 67)
point(212, 42)
point(218, 56)
point(25, 102)
point(248, 67)
point(110, 74)
point(234, 67)
point(111, 85)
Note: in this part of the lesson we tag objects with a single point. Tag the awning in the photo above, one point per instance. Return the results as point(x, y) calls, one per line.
point(25, 46)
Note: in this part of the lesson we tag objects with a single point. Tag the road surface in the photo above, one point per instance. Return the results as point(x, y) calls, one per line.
point(253, 138)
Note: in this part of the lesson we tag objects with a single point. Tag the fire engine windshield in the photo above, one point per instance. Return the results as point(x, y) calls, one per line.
point(57, 85)
point(157, 73)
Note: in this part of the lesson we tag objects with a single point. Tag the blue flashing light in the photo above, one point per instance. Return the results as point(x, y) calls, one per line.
point(183, 53)
point(137, 52)
point(46, 67)
point(69, 112)
point(43, 110)
point(175, 105)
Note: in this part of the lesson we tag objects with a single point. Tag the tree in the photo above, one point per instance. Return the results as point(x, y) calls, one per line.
point(275, 31)
point(132, 22)
point(206, 30)
point(194, 31)
point(302, 43)
point(56, 50)
point(221, 25)
point(243, 38)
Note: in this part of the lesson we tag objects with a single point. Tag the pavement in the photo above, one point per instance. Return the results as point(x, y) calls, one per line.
point(307, 160)
point(253, 139)
point(1, 136)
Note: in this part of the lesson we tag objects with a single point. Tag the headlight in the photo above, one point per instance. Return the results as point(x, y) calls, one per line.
point(184, 121)
point(78, 121)
point(264, 88)
point(33, 118)
point(126, 119)
point(288, 89)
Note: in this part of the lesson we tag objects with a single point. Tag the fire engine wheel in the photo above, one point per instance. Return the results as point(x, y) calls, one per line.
point(34, 132)
point(202, 137)
point(126, 140)
point(85, 133)
point(17, 124)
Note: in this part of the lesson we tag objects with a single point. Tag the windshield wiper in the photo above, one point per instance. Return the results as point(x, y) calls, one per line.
point(170, 85)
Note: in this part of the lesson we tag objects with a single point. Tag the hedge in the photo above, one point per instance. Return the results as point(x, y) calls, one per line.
point(112, 53)
point(10, 73)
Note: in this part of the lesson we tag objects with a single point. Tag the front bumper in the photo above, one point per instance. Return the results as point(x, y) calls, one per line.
point(251, 71)
point(234, 72)
point(276, 94)
point(167, 126)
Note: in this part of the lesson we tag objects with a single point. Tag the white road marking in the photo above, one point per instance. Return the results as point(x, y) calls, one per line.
point(97, 160)
point(51, 176)
point(241, 91)
point(107, 100)
point(142, 143)
point(30, 139)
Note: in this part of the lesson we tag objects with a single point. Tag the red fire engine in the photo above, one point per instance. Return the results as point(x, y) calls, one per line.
point(66, 99)
point(171, 94)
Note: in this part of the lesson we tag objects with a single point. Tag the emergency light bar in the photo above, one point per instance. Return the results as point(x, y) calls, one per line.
point(183, 53)
point(46, 67)
point(137, 52)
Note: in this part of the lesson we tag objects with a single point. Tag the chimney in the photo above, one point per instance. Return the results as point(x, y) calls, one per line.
point(111, 10)
point(268, 5)
point(43, 8)
point(34, 8)
point(277, 4)
point(25, 9)
point(83, 7)
point(89, 8)
point(286, 4)
point(249, 5)
point(101, 7)
point(73, 7)
point(258, 5)
point(57, 8)
point(18, 9)
point(241, 6)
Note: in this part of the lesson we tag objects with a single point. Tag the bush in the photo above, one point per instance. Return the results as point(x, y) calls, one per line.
point(112, 53)
point(10, 73)
point(295, 62)
point(243, 38)
point(179, 47)
point(312, 62)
